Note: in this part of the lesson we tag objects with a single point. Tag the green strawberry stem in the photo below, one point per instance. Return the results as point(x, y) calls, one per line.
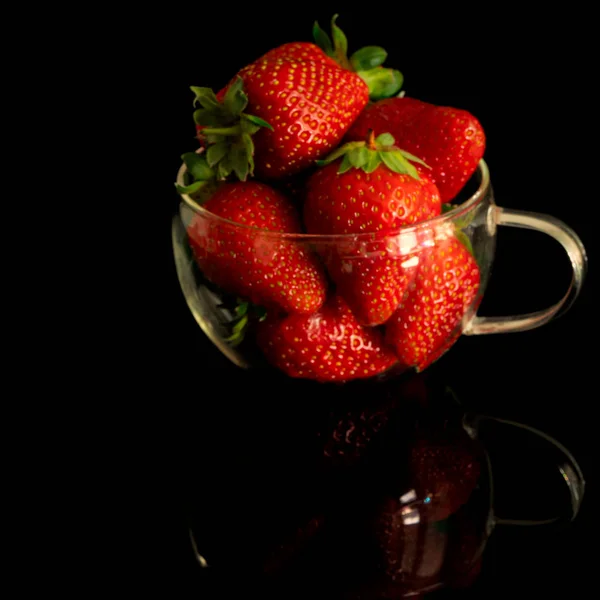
point(200, 177)
point(382, 82)
point(201, 180)
point(227, 130)
point(238, 330)
point(370, 142)
point(459, 225)
point(464, 240)
point(245, 314)
point(227, 134)
point(366, 62)
point(373, 152)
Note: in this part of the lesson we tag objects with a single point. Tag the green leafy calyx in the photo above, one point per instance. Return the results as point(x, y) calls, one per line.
point(226, 130)
point(238, 325)
point(459, 225)
point(372, 153)
point(460, 222)
point(246, 314)
point(382, 83)
point(199, 176)
point(366, 62)
point(465, 241)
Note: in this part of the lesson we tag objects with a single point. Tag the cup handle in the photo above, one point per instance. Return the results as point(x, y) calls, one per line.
point(567, 466)
point(573, 247)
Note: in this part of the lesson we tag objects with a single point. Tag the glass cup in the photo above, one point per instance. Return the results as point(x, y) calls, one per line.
point(444, 261)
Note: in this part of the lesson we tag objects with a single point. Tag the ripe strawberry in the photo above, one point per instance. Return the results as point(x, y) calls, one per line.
point(328, 345)
point(267, 270)
point(428, 321)
point(301, 51)
point(370, 187)
point(450, 140)
point(315, 104)
point(302, 101)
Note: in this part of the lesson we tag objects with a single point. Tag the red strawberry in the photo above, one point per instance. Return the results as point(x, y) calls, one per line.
point(241, 259)
point(301, 51)
point(444, 469)
point(428, 321)
point(306, 98)
point(370, 187)
point(450, 140)
point(302, 101)
point(329, 345)
point(309, 103)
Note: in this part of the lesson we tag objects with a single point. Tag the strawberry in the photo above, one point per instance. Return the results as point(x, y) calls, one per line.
point(241, 259)
point(450, 140)
point(301, 51)
point(302, 101)
point(329, 345)
point(310, 104)
point(428, 321)
point(370, 187)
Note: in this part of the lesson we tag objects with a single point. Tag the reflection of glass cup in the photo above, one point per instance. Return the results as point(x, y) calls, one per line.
point(199, 237)
point(391, 494)
point(423, 542)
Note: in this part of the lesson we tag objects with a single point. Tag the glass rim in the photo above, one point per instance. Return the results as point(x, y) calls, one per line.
point(436, 222)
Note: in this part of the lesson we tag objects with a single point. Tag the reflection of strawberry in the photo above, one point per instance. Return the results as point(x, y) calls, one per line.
point(369, 187)
point(428, 321)
point(328, 345)
point(467, 543)
point(444, 470)
point(411, 554)
point(364, 425)
point(449, 140)
point(468, 576)
point(350, 434)
point(290, 546)
point(416, 555)
point(269, 271)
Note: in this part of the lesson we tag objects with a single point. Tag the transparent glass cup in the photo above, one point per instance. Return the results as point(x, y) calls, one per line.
point(442, 261)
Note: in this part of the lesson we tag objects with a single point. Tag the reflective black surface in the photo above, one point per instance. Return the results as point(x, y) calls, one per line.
point(531, 95)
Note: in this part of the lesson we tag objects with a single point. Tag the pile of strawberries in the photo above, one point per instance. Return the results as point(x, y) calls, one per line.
point(308, 140)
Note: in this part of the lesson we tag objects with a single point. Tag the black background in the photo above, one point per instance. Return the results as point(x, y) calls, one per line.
point(528, 78)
